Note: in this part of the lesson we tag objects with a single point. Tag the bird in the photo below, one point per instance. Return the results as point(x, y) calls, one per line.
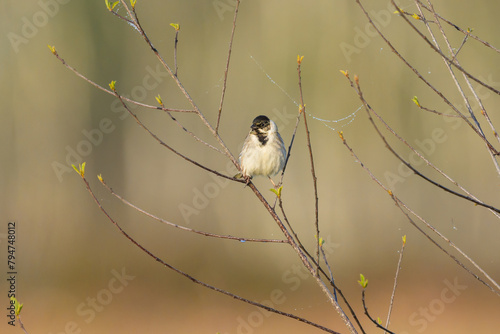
point(263, 151)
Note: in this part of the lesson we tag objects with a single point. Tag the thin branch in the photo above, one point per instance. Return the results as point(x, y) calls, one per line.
point(303, 258)
point(189, 132)
point(192, 278)
point(395, 282)
point(437, 112)
point(465, 32)
point(207, 234)
point(369, 316)
point(329, 276)
point(110, 92)
point(289, 151)
point(131, 22)
point(313, 171)
point(224, 85)
point(370, 111)
point(483, 109)
point(21, 324)
point(448, 65)
point(161, 142)
point(163, 108)
point(175, 50)
point(181, 87)
point(457, 66)
point(401, 205)
point(417, 73)
point(330, 273)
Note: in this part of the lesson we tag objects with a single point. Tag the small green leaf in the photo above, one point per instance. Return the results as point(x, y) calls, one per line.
point(132, 3)
point(80, 170)
point(176, 26)
point(404, 239)
point(111, 5)
point(52, 49)
point(112, 85)
point(399, 10)
point(363, 281)
point(159, 100)
point(277, 191)
point(415, 100)
point(379, 321)
point(17, 306)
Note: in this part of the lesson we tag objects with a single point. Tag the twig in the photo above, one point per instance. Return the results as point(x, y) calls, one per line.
point(370, 111)
point(303, 258)
point(329, 271)
point(183, 227)
point(330, 276)
point(448, 65)
point(313, 171)
point(161, 142)
point(401, 205)
point(395, 282)
point(369, 316)
point(175, 50)
point(454, 64)
point(417, 73)
point(192, 278)
point(21, 324)
point(465, 32)
point(181, 87)
point(437, 112)
point(224, 85)
point(110, 92)
point(289, 151)
point(483, 109)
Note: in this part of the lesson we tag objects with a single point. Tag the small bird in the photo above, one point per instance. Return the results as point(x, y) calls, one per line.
point(263, 152)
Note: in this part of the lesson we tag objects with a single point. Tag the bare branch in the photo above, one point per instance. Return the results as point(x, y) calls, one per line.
point(224, 85)
point(313, 171)
point(398, 268)
point(192, 278)
point(466, 101)
point(465, 32)
point(457, 66)
point(110, 92)
point(369, 316)
point(187, 228)
point(161, 142)
point(401, 205)
point(418, 73)
point(370, 111)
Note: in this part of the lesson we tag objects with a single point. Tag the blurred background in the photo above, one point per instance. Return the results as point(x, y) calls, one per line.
point(77, 273)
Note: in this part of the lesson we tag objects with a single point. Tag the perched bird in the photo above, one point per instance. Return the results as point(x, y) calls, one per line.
point(263, 152)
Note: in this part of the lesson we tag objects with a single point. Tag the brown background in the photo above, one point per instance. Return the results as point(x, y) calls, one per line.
point(67, 251)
